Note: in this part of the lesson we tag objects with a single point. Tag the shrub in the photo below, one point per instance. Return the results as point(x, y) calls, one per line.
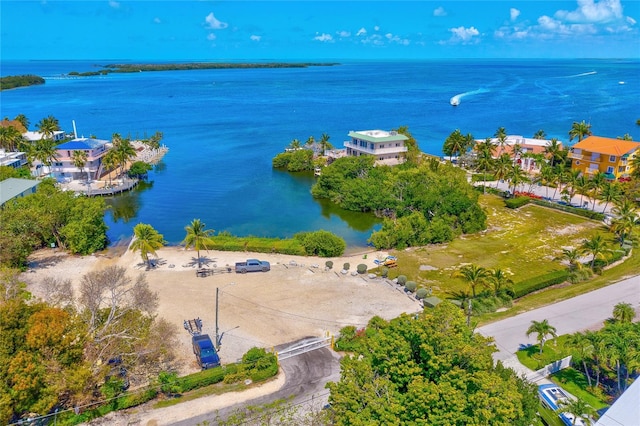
point(421, 293)
point(362, 268)
point(205, 377)
point(235, 377)
point(514, 203)
point(402, 279)
point(349, 340)
point(328, 264)
point(384, 272)
point(411, 286)
point(346, 266)
point(538, 283)
point(321, 243)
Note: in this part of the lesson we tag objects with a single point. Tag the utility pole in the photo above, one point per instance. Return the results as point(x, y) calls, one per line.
point(217, 336)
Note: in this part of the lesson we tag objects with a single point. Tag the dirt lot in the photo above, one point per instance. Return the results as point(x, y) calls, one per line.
point(297, 298)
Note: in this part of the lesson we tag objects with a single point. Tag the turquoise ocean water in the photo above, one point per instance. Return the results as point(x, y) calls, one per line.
point(223, 127)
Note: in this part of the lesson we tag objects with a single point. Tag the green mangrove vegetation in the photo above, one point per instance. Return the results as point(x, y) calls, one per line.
point(13, 81)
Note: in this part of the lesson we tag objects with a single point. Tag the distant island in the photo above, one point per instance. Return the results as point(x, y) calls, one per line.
point(127, 68)
point(13, 81)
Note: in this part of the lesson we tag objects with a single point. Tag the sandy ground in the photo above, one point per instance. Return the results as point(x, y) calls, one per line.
point(298, 298)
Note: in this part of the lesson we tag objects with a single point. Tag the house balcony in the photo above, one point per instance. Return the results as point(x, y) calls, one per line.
point(583, 157)
point(378, 151)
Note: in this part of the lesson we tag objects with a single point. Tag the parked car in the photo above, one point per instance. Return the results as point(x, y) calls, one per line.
point(252, 265)
point(205, 351)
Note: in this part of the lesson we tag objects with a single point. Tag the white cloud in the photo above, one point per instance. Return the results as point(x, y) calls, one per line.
point(255, 38)
point(464, 35)
point(592, 11)
point(439, 11)
point(157, 20)
point(344, 34)
point(514, 13)
point(323, 37)
point(213, 24)
point(211, 36)
point(361, 32)
point(114, 4)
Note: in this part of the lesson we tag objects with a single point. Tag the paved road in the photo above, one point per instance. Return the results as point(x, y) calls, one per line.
point(587, 311)
point(306, 376)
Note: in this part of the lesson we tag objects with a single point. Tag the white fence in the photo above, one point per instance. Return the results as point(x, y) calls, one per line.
point(306, 346)
point(549, 369)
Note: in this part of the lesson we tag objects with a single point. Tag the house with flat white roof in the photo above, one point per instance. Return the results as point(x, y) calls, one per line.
point(64, 169)
point(13, 159)
point(387, 147)
point(58, 135)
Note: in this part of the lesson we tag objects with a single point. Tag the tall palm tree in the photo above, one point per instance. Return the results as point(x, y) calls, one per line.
point(48, 126)
point(540, 134)
point(474, 276)
point(596, 246)
point(516, 176)
point(324, 143)
point(501, 135)
point(553, 150)
point(22, 119)
point(198, 237)
point(635, 166)
point(579, 130)
point(542, 329)
point(44, 151)
point(123, 149)
point(485, 160)
point(502, 167)
point(79, 158)
point(146, 240)
point(109, 162)
point(626, 137)
point(624, 312)
point(295, 144)
point(570, 179)
point(625, 221)
point(584, 351)
point(578, 408)
point(583, 186)
point(311, 143)
point(610, 192)
point(10, 138)
point(455, 144)
point(547, 177)
point(499, 280)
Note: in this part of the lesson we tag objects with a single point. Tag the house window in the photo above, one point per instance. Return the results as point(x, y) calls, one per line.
point(612, 158)
point(621, 169)
point(577, 162)
point(609, 170)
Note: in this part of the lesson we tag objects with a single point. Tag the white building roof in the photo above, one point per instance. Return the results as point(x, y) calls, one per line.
point(36, 136)
point(625, 411)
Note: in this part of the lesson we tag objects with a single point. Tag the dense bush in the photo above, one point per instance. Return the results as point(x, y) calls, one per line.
point(294, 161)
point(13, 81)
point(346, 266)
point(402, 279)
point(227, 242)
point(362, 268)
point(539, 282)
point(514, 203)
point(411, 286)
point(329, 264)
point(384, 272)
point(350, 339)
point(321, 243)
point(421, 204)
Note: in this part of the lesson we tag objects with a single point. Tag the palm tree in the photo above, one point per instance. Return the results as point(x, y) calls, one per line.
point(123, 149)
point(547, 176)
point(146, 240)
point(485, 160)
point(499, 280)
point(295, 144)
point(80, 159)
point(502, 167)
point(596, 246)
point(570, 179)
point(324, 143)
point(626, 137)
point(311, 142)
point(624, 312)
point(626, 219)
point(610, 192)
point(455, 144)
point(582, 186)
point(474, 276)
point(553, 150)
point(22, 119)
point(197, 237)
point(579, 130)
point(501, 135)
point(572, 256)
point(109, 162)
point(516, 176)
point(540, 134)
point(10, 138)
point(585, 350)
point(44, 151)
point(48, 126)
point(578, 408)
point(542, 329)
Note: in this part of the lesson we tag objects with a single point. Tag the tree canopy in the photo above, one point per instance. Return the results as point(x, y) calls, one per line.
point(428, 369)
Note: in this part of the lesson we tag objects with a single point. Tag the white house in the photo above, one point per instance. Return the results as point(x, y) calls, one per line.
point(14, 159)
point(58, 135)
point(64, 169)
point(387, 147)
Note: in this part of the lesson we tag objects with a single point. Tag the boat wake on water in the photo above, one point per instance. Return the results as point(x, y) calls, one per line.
point(582, 74)
point(455, 101)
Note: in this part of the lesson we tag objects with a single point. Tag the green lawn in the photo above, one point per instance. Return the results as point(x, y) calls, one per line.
point(553, 350)
point(575, 382)
point(523, 242)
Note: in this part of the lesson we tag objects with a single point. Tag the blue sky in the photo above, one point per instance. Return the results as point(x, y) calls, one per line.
point(293, 30)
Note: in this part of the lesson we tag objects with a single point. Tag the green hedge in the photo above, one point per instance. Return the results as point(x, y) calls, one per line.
point(257, 244)
point(538, 283)
point(575, 210)
point(480, 177)
point(514, 203)
point(205, 377)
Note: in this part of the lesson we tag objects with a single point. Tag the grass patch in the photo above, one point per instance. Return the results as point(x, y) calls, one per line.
point(553, 350)
point(549, 417)
point(574, 382)
point(523, 242)
point(217, 389)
